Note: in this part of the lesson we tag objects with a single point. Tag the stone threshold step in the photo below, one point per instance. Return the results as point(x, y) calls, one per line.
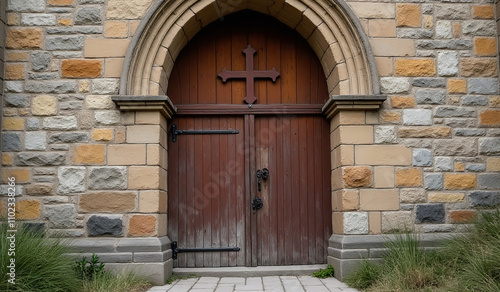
point(296, 270)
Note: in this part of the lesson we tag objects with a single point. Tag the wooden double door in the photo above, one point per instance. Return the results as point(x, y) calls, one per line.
point(255, 178)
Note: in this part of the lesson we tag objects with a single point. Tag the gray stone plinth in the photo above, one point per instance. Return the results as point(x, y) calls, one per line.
point(145, 256)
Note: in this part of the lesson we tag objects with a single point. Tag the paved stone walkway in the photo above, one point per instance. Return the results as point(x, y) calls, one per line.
point(256, 284)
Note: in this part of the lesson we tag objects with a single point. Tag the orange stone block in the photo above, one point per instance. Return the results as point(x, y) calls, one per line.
point(462, 216)
point(483, 12)
point(28, 38)
point(408, 15)
point(459, 181)
point(21, 175)
point(90, 154)
point(27, 209)
point(81, 68)
point(14, 71)
point(485, 46)
point(142, 225)
point(415, 67)
point(391, 116)
point(116, 202)
point(102, 134)
point(61, 2)
point(65, 22)
point(357, 176)
point(402, 102)
point(13, 124)
point(457, 86)
point(7, 159)
point(490, 117)
point(408, 177)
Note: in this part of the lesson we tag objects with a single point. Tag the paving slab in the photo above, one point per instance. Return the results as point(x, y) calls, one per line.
point(255, 284)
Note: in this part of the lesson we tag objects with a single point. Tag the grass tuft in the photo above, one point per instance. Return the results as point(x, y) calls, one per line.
point(123, 282)
point(469, 262)
point(40, 263)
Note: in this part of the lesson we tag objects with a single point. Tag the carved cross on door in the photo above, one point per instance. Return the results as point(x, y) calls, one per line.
point(249, 74)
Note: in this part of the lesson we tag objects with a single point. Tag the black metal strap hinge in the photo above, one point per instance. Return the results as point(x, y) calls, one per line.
point(176, 250)
point(174, 132)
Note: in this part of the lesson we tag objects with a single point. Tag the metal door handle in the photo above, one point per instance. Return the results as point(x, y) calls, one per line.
point(262, 174)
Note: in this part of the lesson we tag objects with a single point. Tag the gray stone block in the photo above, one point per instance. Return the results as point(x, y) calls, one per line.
point(35, 140)
point(64, 43)
point(75, 30)
point(443, 164)
point(454, 112)
point(417, 117)
point(32, 124)
point(40, 159)
point(460, 123)
point(475, 167)
point(51, 86)
point(429, 82)
point(422, 157)
point(101, 225)
point(433, 181)
point(470, 132)
point(36, 227)
point(433, 228)
point(71, 179)
point(444, 29)
point(71, 105)
point(489, 181)
point(455, 147)
point(394, 84)
point(447, 63)
point(430, 96)
point(484, 199)
point(483, 85)
point(60, 123)
point(73, 137)
point(430, 213)
point(4, 190)
point(26, 5)
point(108, 178)
point(452, 11)
point(479, 28)
point(105, 86)
point(13, 86)
point(67, 54)
point(444, 45)
point(59, 10)
point(385, 134)
point(43, 76)
point(60, 216)
point(16, 100)
point(11, 142)
point(489, 146)
point(29, 19)
point(88, 15)
point(475, 100)
point(415, 33)
point(40, 61)
point(110, 117)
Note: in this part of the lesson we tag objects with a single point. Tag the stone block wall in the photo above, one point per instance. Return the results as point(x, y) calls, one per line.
point(427, 159)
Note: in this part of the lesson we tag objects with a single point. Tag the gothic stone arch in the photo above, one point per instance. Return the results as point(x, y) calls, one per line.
point(331, 29)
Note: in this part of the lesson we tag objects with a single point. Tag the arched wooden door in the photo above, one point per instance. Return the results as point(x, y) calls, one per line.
point(212, 176)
